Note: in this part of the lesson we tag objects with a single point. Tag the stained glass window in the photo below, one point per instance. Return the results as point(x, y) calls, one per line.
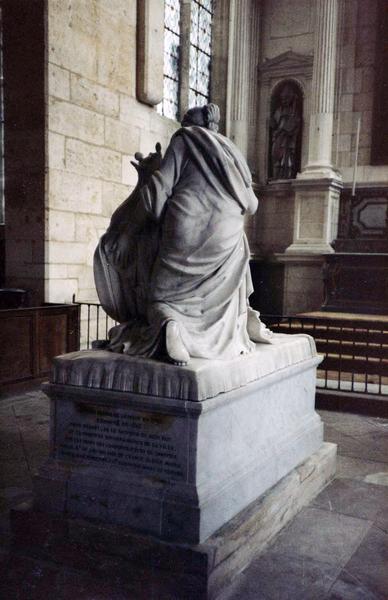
point(170, 104)
point(200, 51)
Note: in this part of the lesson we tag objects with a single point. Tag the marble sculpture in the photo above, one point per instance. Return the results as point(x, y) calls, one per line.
point(173, 267)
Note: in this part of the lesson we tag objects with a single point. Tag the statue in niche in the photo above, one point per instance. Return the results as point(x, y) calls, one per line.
point(173, 266)
point(285, 132)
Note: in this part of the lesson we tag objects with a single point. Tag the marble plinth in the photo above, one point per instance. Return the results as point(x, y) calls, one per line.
point(174, 468)
point(199, 380)
point(143, 566)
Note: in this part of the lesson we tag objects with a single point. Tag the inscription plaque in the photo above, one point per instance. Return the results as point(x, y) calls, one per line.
point(140, 442)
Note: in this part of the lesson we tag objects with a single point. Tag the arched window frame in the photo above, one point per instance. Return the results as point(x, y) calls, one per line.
point(193, 68)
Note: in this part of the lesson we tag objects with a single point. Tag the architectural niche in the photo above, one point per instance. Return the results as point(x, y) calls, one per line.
point(296, 69)
point(285, 131)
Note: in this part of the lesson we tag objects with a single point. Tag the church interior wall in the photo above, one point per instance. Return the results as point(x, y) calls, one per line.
point(287, 46)
point(95, 125)
point(287, 25)
point(355, 81)
point(84, 123)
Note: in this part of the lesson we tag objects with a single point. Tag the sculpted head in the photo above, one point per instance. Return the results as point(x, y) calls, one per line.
point(287, 96)
point(203, 116)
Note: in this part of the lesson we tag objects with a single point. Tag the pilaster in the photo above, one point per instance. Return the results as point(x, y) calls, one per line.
point(323, 87)
point(317, 188)
point(241, 74)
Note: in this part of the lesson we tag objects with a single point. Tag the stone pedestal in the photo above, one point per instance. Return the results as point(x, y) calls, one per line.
point(177, 452)
point(143, 566)
point(315, 216)
point(185, 455)
point(317, 187)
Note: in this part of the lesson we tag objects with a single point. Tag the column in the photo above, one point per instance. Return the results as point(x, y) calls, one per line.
point(317, 188)
point(322, 98)
point(239, 75)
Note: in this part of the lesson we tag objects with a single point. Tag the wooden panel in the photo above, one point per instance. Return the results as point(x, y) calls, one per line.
point(31, 337)
point(362, 225)
point(16, 335)
point(52, 339)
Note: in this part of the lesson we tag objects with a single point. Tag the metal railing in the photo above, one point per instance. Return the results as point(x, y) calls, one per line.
point(355, 351)
point(94, 323)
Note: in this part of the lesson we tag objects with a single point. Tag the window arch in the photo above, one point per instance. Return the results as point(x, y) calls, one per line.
point(171, 70)
point(200, 52)
point(187, 55)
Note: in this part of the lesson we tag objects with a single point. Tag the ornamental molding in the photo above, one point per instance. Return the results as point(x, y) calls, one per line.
point(287, 64)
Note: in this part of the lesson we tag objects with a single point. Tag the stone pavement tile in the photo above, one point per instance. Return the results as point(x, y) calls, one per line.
point(22, 578)
point(32, 405)
point(12, 496)
point(37, 393)
point(380, 478)
point(75, 586)
point(372, 445)
point(8, 400)
point(363, 470)
point(348, 587)
point(8, 422)
point(15, 473)
point(353, 498)
point(11, 447)
point(6, 408)
point(381, 521)
point(274, 576)
point(369, 564)
point(322, 535)
point(5, 534)
point(351, 424)
point(33, 391)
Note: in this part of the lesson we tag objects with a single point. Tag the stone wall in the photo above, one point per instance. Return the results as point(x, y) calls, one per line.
point(95, 125)
point(355, 82)
point(289, 26)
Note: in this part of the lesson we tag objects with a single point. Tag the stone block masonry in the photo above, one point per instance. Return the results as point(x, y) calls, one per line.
point(95, 126)
point(357, 66)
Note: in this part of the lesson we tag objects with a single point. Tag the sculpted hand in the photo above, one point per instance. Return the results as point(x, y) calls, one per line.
point(146, 166)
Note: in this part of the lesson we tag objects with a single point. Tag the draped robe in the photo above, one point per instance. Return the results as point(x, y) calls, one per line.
point(199, 273)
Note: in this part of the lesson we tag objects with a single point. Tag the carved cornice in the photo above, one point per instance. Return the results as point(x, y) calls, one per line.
point(287, 64)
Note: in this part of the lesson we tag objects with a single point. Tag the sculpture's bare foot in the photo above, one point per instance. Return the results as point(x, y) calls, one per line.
point(257, 331)
point(176, 351)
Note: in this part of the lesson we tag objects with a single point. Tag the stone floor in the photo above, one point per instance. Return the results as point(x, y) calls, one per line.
point(336, 548)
